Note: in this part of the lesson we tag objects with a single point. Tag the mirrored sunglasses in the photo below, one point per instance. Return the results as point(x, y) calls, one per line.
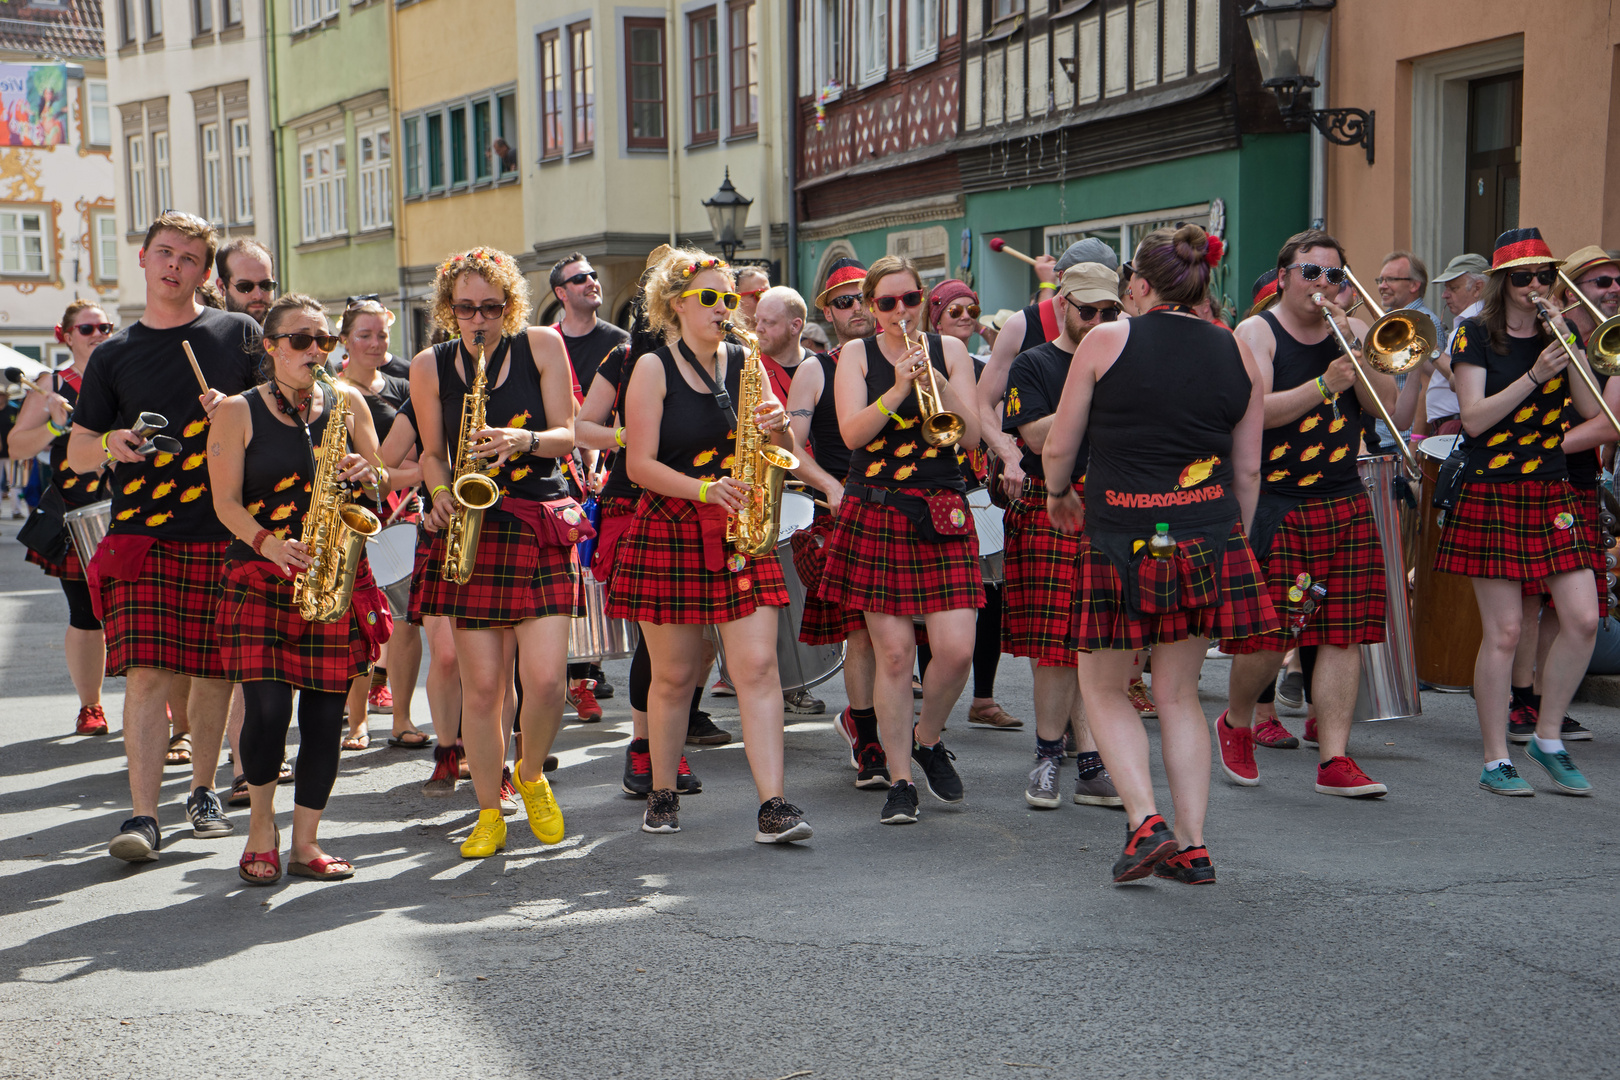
point(1310, 272)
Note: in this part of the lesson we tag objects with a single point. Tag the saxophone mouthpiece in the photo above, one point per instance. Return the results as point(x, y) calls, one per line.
point(478, 337)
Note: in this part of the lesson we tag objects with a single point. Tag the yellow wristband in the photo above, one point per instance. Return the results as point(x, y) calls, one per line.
point(618, 437)
point(105, 436)
point(433, 493)
point(891, 414)
point(703, 491)
point(1047, 285)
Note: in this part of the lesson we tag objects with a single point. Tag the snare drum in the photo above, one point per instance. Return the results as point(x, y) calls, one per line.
point(87, 525)
point(392, 554)
point(987, 522)
point(798, 512)
point(1446, 630)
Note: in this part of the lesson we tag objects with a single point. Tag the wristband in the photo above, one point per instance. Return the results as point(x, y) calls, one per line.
point(1047, 285)
point(703, 491)
point(1531, 375)
point(105, 449)
point(618, 437)
point(891, 414)
point(1328, 396)
point(258, 541)
point(50, 426)
point(433, 493)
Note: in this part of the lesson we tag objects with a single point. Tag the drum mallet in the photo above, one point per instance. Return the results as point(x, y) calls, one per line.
point(998, 244)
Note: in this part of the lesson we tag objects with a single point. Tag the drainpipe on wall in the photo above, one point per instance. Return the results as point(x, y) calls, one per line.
point(791, 150)
point(278, 215)
point(673, 133)
point(411, 346)
point(1319, 100)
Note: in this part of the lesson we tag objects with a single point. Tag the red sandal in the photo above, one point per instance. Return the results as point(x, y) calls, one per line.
point(273, 857)
point(320, 868)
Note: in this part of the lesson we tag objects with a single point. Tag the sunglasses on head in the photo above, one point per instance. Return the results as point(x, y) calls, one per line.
point(490, 309)
point(755, 294)
point(845, 302)
point(955, 311)
point(244, 286)
point(1520, 278)
point(910, 299)
point(1088, 312)
point(1602, 282)
point(711, 297)
point(91, 329)
point(1310, 272)
point(581, 278)
point(301, 341)
point(366, 299)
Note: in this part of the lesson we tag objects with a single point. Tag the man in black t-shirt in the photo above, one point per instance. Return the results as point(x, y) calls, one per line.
point(247, 277)
point(156, 575)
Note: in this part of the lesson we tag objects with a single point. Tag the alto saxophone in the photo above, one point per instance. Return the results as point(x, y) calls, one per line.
point(335, 529)
point(474, 492)
point(757, 462)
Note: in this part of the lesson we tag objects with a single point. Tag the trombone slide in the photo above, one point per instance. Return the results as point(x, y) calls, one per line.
point(1378, 402)
point(1545, 307)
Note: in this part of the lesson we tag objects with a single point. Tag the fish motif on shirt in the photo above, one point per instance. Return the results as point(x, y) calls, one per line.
point(134, 485)
point(1307, 481)
point(703, 457)
point(1197, 472)
point(1530, 466)
point(192, 494)
point(1499, 461)
point(1498, 439)
point(906, 450)
point(1279, 450)
point(286, 482)
point(159, 519)
point(1310, 453)
point(163, 489)
point(876, 466)
point(1309, 422)
point(283, 512)
point(194, 428)
point(1552, 415)
point(876, 444)
point(193, 462)
point(1524, 414)
point(521, 419)
point(1014, 407)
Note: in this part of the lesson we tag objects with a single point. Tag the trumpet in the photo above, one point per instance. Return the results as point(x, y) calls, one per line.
point(940, 427)
point(1378, 402)
point(1548, 313)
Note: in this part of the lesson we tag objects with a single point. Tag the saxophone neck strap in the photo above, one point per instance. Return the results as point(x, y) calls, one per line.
point(722, 397)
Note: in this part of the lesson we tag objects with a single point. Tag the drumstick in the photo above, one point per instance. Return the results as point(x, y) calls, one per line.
point(998, 244)
point(400, 509)
point(195, 367)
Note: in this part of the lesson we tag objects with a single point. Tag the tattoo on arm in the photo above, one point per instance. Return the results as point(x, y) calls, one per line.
point(214, 448)
point(802, 412)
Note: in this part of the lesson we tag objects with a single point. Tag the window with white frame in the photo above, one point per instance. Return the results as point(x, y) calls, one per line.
point(308, 13)
point(871, 40)
point(376, 179)
point(241, 173)
point(104, 244)
point(922, 31)
point(830, 35)
point(454, 145)
point(324, 187)
point(213, 175)
point(98, 116)
point(140, 208)
point(23, 251)
point(1125, 232)
point(160, 163)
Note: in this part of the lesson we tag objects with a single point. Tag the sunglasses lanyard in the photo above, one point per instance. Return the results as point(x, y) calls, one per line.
point(1180, 309)
point(722, 397)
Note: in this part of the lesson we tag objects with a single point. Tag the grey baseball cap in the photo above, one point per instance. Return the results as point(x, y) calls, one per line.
point(1463, 264)
point(1091, 250)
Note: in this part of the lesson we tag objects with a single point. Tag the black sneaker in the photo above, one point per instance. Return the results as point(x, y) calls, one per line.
point(1574, 731)
point(1521, 724)
point(604, 689)
point(938, 774)
point(901, 806)
point(686, 781)
point(1190, 866)
point(138, 840)
point(207, 815)
point(1145, 846)
point(874, 767)
point(701, 730)
point(780, 822)
point(637, 772)
point(663, 812)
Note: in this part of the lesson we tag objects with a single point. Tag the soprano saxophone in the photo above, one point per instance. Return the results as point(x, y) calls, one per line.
point(474, 492)
point(335, 529)
point(757, 462)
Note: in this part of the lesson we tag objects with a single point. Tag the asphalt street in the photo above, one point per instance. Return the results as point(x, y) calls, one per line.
point(1440, 932)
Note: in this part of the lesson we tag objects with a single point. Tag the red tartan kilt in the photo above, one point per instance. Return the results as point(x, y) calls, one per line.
point(823, 622)
point(1100, 619)
point(513, 579)
point(262, 638)
point(1590, 503)
point(1506, 530)
point(659, 574)
point(165, 618)
point(69, 569)
point(614, 517)
point(1335, 541)
point(424, 548)
point(1039, 589)
point(877, 561)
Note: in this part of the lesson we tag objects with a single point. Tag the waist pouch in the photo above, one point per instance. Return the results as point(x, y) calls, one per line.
point(1449, 480)
point(938, 516)
point(1189, 580)
point(554, 522)
point(44, 532)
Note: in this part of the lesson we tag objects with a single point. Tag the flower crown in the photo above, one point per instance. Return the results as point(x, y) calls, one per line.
point(701, 265)
point(473, 257)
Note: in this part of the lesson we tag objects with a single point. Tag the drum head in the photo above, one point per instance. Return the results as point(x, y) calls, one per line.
point(798, 511)
point(1439, 447)
point(987, 522)
point(392, 554)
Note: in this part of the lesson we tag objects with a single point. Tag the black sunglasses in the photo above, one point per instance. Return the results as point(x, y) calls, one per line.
point(91, 329)
point(581, 278)
point(1520, 278)
point(1087, 312)
point(300, 342)
point(910, 299)
point(366, 299)
point(1599, 282)
point(1310, 272)
point(491, 309)
point(845, 302)
point(244, 286)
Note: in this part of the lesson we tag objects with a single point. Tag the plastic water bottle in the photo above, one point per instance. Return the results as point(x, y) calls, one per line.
point(1162, 545)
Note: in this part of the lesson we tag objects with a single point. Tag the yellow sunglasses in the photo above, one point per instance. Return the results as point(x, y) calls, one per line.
point(711, 297)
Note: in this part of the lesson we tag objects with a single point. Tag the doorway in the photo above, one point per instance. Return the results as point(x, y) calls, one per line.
point(1495, 120)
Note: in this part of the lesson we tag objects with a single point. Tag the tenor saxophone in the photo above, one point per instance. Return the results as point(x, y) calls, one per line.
point(474, 492)
point(335, 529)
point(757, 462)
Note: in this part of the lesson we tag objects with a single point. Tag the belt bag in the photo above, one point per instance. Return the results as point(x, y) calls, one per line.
point(555, 522)
point(1449, 480)
point(938, 518)
point(43, 532)
point(1189, 580)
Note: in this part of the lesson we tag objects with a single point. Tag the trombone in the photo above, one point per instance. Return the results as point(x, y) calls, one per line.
point(1603, 344)
point(940, 427)
point(1548, 312)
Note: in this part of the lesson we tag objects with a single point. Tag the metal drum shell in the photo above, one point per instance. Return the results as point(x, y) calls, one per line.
point(798, 665)
point(1389, 681)
point(392, 554)
point(989, 523)
point(87, 526)
point(593, 636)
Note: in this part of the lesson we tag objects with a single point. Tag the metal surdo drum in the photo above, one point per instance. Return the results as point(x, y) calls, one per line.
point(392, 554)
point(87, 525)
point(988, 523)
point(798, 511)
point(1446, 630)
point(1389, 685)
point(595, 637)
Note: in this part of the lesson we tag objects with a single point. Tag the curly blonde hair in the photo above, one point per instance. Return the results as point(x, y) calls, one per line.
point(671, 276)
point(496, 267)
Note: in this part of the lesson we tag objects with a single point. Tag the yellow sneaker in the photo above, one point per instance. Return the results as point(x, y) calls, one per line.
point(488, 836)
point(545, 816)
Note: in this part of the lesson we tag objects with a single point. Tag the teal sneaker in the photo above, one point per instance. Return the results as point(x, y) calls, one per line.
point(1505, 780)
point(1560, 770)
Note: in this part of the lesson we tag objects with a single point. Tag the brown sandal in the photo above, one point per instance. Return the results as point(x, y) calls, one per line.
point(179, 752)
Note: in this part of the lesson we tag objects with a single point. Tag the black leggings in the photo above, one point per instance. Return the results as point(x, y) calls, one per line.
point(1307, 661)
point(986, 646)
point(320, 735)
point(641, 680)
point(81, 616)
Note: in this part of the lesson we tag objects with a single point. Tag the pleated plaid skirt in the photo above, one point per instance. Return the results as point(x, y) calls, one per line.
point(514, 579)
point(877, 561)
point(1039, 589)
point(165, 618)
point(1590, 505)
point(823, 622)
point(262, 638)
point(1522, 530)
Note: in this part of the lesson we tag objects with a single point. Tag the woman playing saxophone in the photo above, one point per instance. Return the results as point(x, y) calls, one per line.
point(262, 468)
point(692, 404)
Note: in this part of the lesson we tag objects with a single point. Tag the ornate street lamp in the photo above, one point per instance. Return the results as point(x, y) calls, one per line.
point(1288, 37)
point(728, 215)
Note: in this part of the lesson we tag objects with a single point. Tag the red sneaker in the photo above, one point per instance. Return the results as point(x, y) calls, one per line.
point(1342, 776)
point(92, 721)
point(1309, 738)
point(1270, 733)
point(845, 725)
point(509, 792)
point(1141, 699)
point(1146, 845)
point(1237, 752)
point(582, 696)
point(380, 700)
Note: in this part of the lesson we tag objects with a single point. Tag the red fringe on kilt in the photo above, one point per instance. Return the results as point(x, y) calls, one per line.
point(69, 569)
point(1100, 619)
point(1039, 588)
point(659, 575)
point(262, 638)
point(1590, 504)
point(513, 579)
point(823, 622)
point(165, 618)
point(1335, 541)
point(1507, 530)
point(877, 561)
